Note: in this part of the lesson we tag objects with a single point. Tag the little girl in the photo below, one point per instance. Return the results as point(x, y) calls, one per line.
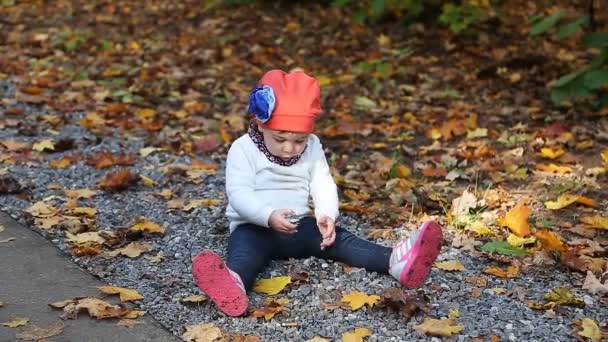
point(271, 173)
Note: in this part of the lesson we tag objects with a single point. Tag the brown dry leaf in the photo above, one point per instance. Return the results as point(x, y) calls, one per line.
point(582, 263)
point(437, 172)
point(116, 181)
point(48, 222)
point(41, 209)
point(44, 145)
point(567, 199)
point(204, 202)
point(84, 211)
point(95, 307)
point(406, 305)
point(595, 222)
point(128, 323)
point(356, 299)
point(517, 220)
point(87, 249)
point(132, 250)
point(126, 295)
point(588, 328)
point(450, 265)
point(551, 240)
point(35, 333)
point(511, 272)
point(298, 277)
point(207, 144)
point(452, 128)
point(80, 193)
point(271, 286)
point(61, 164)
point(16, 322)
point(270, 309)
point(132, 314)
point(193, 299)
point(594, 285)
point(356, 335)
point(203, 332)
point(104, 160)
point(438, 327)
point(85, 237)
point(148, 227)
point(14, 146)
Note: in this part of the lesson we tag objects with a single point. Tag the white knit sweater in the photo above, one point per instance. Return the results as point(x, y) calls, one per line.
point(256, 186)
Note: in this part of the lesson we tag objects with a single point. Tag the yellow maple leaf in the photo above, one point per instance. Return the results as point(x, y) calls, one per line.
point(125, 294)
point(567, 199)
point(84, 211)
point(272, 286)
point(480, 228)
point(356, 299)
point(356, 335)
point(16, 322)
point(46, 144)
point(203, 332)
point(590, 329)
point(554, 168)
point(596, 221)
point(549, 153)
point(148, 226)
point(450, 265)
point(517, 241)
point(516, 219)
point(551, 240)
point(438, 327)
point(511, 272)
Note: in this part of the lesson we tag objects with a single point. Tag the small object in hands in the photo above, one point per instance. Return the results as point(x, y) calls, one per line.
point(295, 219)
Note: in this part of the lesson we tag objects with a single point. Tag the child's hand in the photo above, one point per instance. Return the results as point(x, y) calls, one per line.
point(327, 228)
point(279, 221)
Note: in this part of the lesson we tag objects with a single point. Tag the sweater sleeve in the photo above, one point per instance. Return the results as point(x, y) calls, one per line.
point(240, 180)
point(323, 189)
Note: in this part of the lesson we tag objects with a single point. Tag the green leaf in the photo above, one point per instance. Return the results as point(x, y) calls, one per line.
point(364, 103)
point(378, 7)
point(562, 81)
point(596, 39)
point(596, 79)
point(576, 88)
point(571, 28)
point(502, 247)
point(546, 23)
point(535, 18)
point(339, 3)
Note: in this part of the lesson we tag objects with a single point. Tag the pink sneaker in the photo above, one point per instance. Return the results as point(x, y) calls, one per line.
point(412, 259)
point(220, 283)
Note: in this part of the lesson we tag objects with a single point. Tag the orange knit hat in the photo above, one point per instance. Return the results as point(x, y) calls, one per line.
point(294, 101)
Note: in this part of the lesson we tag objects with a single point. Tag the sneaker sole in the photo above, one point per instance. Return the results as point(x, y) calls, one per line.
point(426, 250)
point(213, 278)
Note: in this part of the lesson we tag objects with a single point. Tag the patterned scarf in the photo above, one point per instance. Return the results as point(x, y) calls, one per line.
point(258, 139)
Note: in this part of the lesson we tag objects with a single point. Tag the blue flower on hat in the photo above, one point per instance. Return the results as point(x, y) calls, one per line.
point(261, 102)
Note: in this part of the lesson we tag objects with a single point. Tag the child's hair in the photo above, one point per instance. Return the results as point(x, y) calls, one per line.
point(286, 101)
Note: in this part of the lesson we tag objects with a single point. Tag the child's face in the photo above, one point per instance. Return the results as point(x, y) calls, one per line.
point(283, 144)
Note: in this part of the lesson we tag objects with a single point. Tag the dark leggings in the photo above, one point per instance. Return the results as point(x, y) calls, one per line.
point(251, 247)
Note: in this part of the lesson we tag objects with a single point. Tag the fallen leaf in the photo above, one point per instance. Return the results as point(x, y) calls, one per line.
point(80, 193)
point(157, 258)
point(558, 296)
point(450, 265)
point(35, 333)
point(116, 181)
point(357, 299)
point(435, 172)
point(318, 339)
point(549, 153)
point(438, 327)
point(356, 335)
point(193, 299)
point(594, 286)
point(83, 211)
point(61, 164)
point(132, 250)
point(128, 323)
point(95, 307)
point(271, 286)
point(42, 209)
point(567, 199)
point(146, 151)
point(270, 309)
point(453, 313)
point(517, 241)
point(516, 220)
point(511, 271)
point(16, 322)
point(133, 313)
point(595, 222)
point(550, 240)
point(203, 332)
point(406, 305)
point(89, 249)
point(502, 247)
point(85, 237)
point(44, 145)
point(554, 168)
point(126, 295)
point(589, 329)
point(148, 227)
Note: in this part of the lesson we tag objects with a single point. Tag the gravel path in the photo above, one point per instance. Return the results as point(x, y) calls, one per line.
point(490, 310)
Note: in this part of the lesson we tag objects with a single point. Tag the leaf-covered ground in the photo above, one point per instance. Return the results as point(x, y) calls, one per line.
point(418, 123)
